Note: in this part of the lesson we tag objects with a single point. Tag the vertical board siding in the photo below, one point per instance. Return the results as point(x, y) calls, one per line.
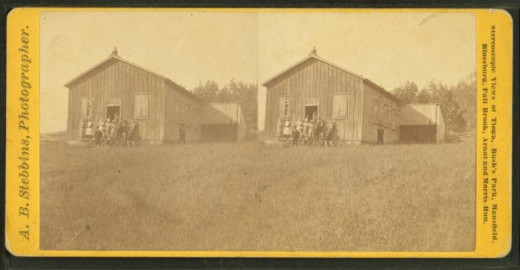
point(316, 79)
point(117, 79)
point(176, 98)
point(370, 125)
point(441, 126)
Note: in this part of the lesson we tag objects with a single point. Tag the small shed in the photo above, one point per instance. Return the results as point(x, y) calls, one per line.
point(422, 123)
point(222, 122)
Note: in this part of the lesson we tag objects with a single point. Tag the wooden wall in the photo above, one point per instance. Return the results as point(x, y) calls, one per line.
point(181, 109)
point(242, 125)
point(116, 79)
point(316, 79)
point(389, 119)
point(441, 126)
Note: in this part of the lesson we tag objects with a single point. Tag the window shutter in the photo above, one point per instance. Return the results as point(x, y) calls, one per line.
point(142, 106)
point(339, 106)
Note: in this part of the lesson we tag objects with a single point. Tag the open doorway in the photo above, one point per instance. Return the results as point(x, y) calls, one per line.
point(113, 112)
point(311, 112)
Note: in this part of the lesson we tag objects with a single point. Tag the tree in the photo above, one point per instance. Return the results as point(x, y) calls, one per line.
point(453, 113)
point(458, 103)
point(466, 95)
point(423, 97)
point(207, 91)
point(246, 94)
point(407, 93)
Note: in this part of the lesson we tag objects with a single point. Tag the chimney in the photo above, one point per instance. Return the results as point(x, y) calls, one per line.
point(314, 52)
point(114, 52)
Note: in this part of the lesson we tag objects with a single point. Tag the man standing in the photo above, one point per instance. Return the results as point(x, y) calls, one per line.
point(295, 135)
point(380, 135)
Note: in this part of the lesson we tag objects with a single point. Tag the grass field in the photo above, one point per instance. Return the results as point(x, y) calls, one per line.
point(246, 197)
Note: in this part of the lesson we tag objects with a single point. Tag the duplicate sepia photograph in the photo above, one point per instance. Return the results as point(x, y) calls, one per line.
point(258, 131)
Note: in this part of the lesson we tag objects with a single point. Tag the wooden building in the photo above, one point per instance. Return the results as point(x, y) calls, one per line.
point(422, 123)
point(118, 88)
point(316, 86)
point(356, 104)
point(222, 122)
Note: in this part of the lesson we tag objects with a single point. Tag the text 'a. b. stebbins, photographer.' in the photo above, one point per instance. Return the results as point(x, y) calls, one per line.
point(23, 126)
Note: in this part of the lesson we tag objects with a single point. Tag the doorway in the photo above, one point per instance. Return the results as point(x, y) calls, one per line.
point(311, 112)
point(113, 112)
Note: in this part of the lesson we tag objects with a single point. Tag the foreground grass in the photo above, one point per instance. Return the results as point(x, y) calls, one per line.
point(242, 197)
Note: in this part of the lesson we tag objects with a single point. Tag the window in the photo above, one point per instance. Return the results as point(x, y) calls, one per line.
point(381, 114)
point(376, 111)
point(196, 120)
point(284, 107)
point(339, 107)
point(142, 107)
point(391, 118)
point(395, 120)
point(87, 108)
point(394, 123)
point(387, 115)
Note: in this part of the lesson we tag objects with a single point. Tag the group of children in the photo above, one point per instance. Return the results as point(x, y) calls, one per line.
point(111, 132)
point(308, 132)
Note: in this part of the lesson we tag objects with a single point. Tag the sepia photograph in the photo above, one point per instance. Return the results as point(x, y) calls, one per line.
point(258, 131)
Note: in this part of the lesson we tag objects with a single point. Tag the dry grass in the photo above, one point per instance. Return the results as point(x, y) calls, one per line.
point(241, 197)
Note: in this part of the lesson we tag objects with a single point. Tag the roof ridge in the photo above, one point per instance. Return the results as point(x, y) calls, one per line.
point(77, 77)
point(117, 57)
point(379, 88)
point(307, 58)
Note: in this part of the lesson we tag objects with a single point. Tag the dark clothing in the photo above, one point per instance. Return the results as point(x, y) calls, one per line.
point(97, 136)
point(322, 135)
point(329, 136)
point(331, 133)
point(380, 135)
point(318, 131)
point(134, 135)
point(295, 136)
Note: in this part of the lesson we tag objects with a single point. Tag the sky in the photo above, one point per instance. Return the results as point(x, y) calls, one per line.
point(387, 48)
point(192, 47)
point(187, 47)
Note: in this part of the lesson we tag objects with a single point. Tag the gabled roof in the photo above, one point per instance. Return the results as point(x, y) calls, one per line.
point(316, 57)
point(310, 56)
point(222, 113)
point(115, 57)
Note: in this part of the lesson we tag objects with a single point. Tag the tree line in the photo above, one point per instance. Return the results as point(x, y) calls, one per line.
point(458, 102)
